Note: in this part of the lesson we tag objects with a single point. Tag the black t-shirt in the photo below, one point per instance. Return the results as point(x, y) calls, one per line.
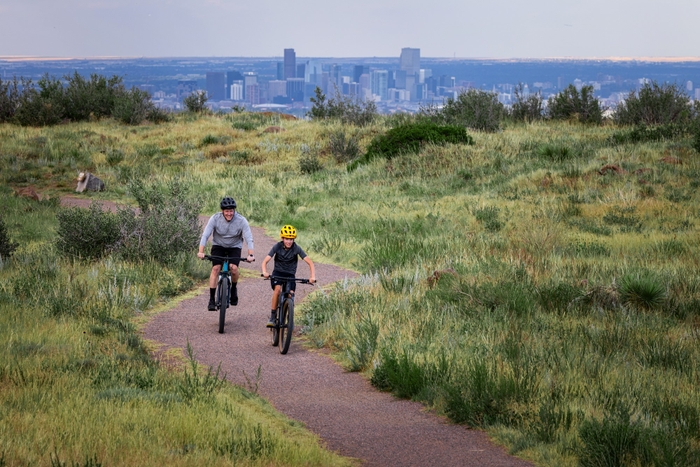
point(286, 260)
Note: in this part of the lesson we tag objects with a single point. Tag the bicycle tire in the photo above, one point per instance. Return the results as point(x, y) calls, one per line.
point(223, 304)
point(276, 329)
point(286, 325)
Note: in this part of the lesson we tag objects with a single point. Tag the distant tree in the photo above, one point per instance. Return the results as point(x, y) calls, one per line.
point(196, 102)
point(93, 98)
point(655, 104)
point(42, 105)
point(9, 99)
point(570, 104)
point(474, 108)
point(527, 108)
point(346, 109)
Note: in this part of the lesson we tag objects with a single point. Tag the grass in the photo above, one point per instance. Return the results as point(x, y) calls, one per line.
point(510, 284)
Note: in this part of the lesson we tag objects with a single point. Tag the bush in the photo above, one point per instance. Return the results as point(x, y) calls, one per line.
point(42, 106)
point(642, 291)
point(343, 148)
point(347, 110)
point(167, 226)
point(654, 104)
point(409, 139)
point(132, 107)
point(93, 98)
point(527, 108)
point(87, 233)
point(7, 246)
point(570, 104)
point(196, 102)
point(474, 108)
point(9, 99)
point(643, 133)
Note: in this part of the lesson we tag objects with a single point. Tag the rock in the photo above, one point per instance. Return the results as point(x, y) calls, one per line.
point(273, 129)
point(87, 181)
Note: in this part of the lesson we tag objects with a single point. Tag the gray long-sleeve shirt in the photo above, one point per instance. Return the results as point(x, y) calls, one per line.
point(228, 234)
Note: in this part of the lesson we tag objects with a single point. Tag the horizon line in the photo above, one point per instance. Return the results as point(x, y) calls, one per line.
point(667, 59)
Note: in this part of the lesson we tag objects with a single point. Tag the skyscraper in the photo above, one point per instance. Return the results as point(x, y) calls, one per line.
point(290, 64)
point(216, 86)
point(378, 83)
point(410, 60)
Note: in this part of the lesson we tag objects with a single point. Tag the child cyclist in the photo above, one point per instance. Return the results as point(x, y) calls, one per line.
point(286, 254)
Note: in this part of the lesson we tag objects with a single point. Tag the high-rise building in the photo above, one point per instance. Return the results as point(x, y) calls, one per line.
point(231, 77)
point(249, 79)
point(359, 70)
point(379, 80)
point(301, 70)
point(216, 86)
point(236, 91)
point(277, 88)
point(295, 89)
point(312, 72)
point(280, 70)
point(290, 64)
point(410, 60)
point(252, 93)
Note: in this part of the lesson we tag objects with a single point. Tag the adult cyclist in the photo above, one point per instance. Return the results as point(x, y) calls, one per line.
point(229, 229)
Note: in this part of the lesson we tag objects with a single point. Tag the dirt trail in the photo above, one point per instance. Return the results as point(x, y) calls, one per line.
point(350, 416)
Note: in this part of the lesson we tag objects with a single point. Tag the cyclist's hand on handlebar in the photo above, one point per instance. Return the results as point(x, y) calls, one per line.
point(200, 255)
point(312, 280)
point(251, 258)
point(265, 275)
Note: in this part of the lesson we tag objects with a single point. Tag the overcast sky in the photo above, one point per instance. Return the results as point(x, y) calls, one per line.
point(355, 28)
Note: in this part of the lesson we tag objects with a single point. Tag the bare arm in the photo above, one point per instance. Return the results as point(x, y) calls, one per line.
point(308, 261)
point(264, 266)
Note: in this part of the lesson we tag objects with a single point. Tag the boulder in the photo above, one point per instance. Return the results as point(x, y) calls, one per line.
point(87, 181)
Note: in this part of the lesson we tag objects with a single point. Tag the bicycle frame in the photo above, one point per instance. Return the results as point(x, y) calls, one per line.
point(284, 324)
point(223, 286)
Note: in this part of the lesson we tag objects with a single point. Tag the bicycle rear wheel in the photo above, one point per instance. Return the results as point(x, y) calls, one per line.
point(286, 325)
point(223, 303)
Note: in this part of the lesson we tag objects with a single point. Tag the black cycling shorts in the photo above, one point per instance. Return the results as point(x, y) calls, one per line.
point(275, 282)
point(217, 250)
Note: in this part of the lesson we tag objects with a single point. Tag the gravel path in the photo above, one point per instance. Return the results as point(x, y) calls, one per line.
point(350, 416)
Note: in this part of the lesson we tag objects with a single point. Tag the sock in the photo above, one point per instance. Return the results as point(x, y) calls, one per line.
point(212, 293)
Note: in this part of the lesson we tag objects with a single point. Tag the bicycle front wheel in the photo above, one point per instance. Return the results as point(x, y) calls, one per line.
point(286, 325)
point(223, 303)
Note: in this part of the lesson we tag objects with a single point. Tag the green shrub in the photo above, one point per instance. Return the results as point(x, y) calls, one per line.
point(9, 98)
point(343, 148)
point(7, 246)
point(654, 104)
point(643, 133)
point(43, 106)
point(570, 104)
point(196, 102)
point(555, 152)
point(489, 217)
point(166, 227)
point(643, 290)
point(411, 137)
point(474, 108)
point(87, 233)
point(93, 98)
point(346, 109)
point(132, 107)
point(527, 108)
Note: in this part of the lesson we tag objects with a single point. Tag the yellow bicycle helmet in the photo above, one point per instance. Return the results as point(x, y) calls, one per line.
point(288, 231)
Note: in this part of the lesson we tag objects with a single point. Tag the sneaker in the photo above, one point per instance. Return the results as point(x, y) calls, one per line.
point(234, 296)
point(273, 318)
point(212, 305)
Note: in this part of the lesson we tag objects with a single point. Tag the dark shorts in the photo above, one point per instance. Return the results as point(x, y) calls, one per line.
point(217, 250)
point(275, 282)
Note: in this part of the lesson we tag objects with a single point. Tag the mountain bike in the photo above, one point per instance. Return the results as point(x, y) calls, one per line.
point(284, 324)
point(223, 287)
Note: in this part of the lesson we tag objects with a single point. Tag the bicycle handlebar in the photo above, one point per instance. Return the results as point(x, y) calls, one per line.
point(227, 258)
point(289, 279)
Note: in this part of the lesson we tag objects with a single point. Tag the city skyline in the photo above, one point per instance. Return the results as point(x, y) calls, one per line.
point(221, 28)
